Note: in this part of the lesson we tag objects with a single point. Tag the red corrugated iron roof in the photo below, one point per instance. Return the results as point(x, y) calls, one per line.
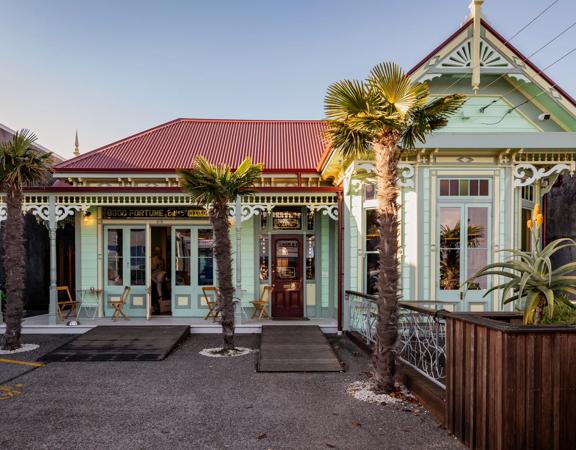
point(282, 145)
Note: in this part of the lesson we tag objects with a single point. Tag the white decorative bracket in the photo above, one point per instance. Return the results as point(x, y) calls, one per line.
point(527, 174)
point(328, 210)
point(249, 211)
point(405, 173)
point(42, 211)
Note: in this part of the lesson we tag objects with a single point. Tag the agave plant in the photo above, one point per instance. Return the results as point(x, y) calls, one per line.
point(530, 276)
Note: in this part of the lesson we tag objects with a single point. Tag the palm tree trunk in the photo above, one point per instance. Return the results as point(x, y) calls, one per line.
point(222, 253)
point(14, 268)
point(383, 364)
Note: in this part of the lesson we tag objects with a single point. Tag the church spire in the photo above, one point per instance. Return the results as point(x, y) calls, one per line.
point(476, 15)
point(76, 145)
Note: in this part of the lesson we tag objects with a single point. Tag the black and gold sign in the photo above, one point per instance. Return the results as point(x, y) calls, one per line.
point(154, 213)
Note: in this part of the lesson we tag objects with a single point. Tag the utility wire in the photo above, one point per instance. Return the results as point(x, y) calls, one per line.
point(565, 55)
point(564, 31)
point(540, 14)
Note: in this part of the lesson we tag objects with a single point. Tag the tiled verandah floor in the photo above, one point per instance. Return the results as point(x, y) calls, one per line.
point(40, 324)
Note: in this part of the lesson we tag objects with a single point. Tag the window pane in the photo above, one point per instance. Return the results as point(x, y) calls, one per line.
point(526, 235)
point(444, 188)
point(483, 188)
point(310, 257)
point(372, 270)
point(477, 245)
point(205, 258)
point(264, 258)
point(454, 188)
point(464, 187)
point(115, 259)
point(182, 248)
point(474, 188)
point(311, 219)
point(287, 218)
point(287, 260)
point(137, 257)
point(369, 191)
point(449, 248)
point(372, 230)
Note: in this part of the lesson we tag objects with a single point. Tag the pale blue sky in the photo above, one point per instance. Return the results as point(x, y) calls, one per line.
point(113, 68)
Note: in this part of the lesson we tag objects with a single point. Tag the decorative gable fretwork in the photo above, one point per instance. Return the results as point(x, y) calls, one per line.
point(461, 57)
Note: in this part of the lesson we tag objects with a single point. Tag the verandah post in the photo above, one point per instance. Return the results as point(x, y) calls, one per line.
point(238, 223)
point(53, 275)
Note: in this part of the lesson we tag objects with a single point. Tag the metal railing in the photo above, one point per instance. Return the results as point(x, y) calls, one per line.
point(421, 329)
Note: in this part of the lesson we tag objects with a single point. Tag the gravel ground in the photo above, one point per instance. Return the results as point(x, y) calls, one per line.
point(191, 401)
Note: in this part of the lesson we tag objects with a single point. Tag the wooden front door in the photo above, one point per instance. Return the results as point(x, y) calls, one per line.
point(287, 296)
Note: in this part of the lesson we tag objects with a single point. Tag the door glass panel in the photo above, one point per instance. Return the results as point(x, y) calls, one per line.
point(137, 257)
point(450, 250)
point(205, 258)
point(287, 259)
point(310, 257)
point(372, 230)
point(477, 245)
point(182, 256)
point(372, 270)
point(115, 258)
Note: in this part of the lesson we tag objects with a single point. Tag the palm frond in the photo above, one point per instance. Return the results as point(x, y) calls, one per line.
point(395, 88)
point(207, 183)
point(20, 163)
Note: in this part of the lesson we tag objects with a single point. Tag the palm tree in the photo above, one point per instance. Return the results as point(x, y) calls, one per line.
point(20, 165)
point(216, 187)
point(380, 116)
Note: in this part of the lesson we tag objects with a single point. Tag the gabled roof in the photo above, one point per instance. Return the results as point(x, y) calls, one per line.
point(505, 44)
point(281, 145)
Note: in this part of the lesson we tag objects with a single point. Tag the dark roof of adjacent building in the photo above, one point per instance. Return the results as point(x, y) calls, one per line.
point(281, 145)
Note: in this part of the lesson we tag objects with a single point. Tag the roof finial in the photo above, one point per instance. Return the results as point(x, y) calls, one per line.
point(76, 145)
point(476, 15)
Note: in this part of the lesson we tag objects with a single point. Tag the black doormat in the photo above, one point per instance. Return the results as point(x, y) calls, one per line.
point(290, 318)
point(121, 343)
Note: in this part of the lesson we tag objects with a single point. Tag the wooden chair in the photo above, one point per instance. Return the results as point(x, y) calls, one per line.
point(261, 305)
point(62, 305)
point(211, 298)
point(119, 304)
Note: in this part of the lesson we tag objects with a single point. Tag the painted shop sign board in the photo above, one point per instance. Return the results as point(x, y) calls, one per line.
point(154, 213)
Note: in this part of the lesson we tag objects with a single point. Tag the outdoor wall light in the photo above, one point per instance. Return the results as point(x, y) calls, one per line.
point(87, 214)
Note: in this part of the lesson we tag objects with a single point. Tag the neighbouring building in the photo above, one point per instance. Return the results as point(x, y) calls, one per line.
point(36, 243)
point(310, 229)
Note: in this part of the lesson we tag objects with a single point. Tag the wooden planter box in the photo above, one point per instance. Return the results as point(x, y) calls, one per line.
point(510, 386)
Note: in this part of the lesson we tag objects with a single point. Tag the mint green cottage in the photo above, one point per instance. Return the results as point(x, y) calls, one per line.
point(310, 228)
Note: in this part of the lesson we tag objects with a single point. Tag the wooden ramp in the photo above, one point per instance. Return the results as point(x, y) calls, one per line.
point(296, 348)
point(121, 343)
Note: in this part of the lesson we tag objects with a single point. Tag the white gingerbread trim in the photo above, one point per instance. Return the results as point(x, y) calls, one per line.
point(527, 174)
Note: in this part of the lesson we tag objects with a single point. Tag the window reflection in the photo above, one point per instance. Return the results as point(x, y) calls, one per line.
point(264, 244)
point(182, 257)
point(115, 257)
point(205, 258)
point(310, 257)
point(137, 257)
point(449, 248)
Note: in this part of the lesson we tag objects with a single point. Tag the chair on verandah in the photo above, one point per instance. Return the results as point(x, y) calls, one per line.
point(67, 303)
point(261, 305)
point(211, 299)
point(119, 304)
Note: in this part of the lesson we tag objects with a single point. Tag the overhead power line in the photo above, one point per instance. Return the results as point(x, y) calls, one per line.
point(565, 55)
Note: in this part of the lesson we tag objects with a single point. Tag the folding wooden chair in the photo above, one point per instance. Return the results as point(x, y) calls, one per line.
point(261, 305)
point(119, 304)
point(61, 305)
point(211, 298)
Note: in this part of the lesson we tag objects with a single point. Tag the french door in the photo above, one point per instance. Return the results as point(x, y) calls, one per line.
point(126, 265)
point(463, 250)
point(287, 277)
point(193, 268)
